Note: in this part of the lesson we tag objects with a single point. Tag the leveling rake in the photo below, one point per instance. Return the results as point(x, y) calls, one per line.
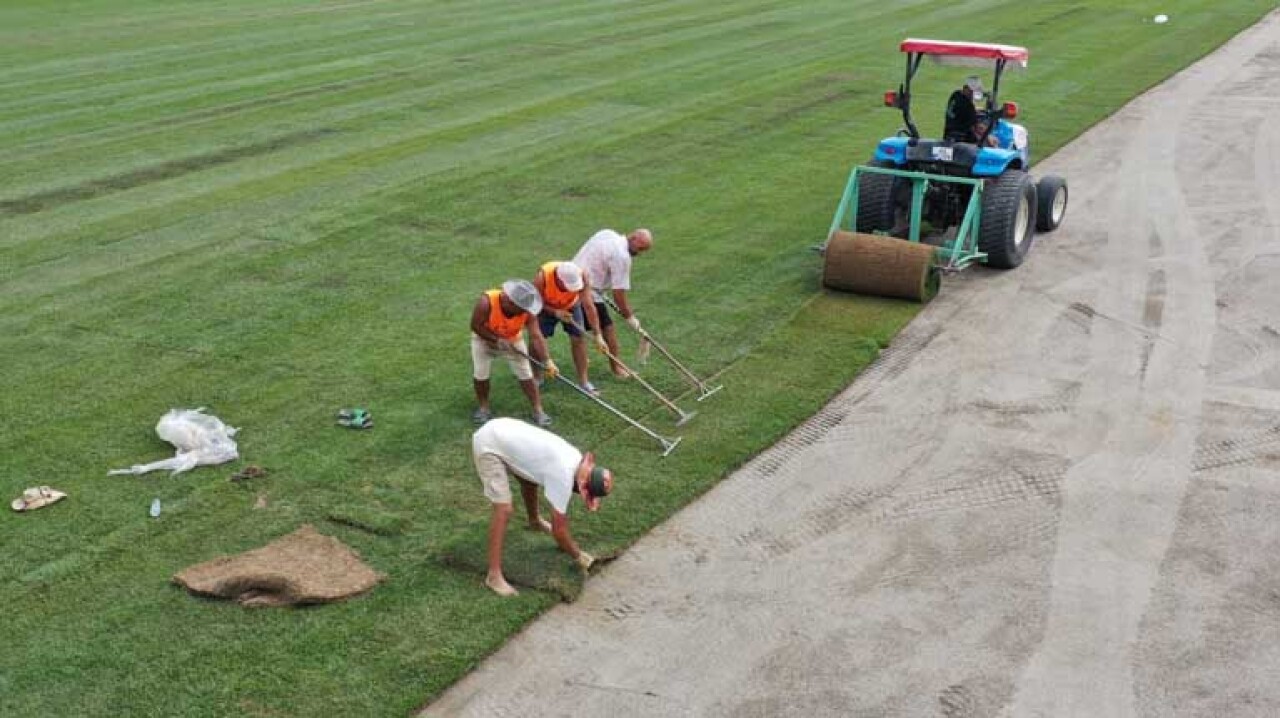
point(701, 386)
point(682, 415)
point(668, 445)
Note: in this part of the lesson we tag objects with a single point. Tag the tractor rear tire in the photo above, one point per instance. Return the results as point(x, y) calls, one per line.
point(1008, 219)
point(1051, 198)
point(876, 210)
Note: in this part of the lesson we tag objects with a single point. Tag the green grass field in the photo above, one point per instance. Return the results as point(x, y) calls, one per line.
point(277, 208)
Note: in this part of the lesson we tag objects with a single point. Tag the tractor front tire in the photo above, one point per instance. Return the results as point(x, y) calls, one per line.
point(876, 205)
point(1008, 219)
point(1051, 200)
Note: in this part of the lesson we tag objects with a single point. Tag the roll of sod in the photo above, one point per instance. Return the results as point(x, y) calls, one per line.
point(880, 266)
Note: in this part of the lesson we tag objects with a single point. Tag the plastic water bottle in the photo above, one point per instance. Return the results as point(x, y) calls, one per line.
point(155, 507)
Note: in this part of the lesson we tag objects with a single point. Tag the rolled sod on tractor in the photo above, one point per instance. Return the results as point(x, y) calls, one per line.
point(880, 266)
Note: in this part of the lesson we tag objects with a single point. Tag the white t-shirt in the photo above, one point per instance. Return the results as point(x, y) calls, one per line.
point(607, 262)
point(532, 454)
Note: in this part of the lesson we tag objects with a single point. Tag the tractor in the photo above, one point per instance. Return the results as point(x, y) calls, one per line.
point(965, 198)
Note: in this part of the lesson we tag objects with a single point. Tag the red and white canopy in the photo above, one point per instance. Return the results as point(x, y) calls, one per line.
point(966, 52)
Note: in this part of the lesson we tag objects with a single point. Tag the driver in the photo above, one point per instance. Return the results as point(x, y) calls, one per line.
point(962, 115)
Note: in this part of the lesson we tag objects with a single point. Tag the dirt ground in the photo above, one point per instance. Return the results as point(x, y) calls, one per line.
point(1054, 495)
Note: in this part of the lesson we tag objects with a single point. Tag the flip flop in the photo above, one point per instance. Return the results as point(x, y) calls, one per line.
point(355, 419)
point(37, 497)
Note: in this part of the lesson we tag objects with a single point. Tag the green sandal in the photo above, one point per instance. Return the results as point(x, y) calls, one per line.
point(355, 419)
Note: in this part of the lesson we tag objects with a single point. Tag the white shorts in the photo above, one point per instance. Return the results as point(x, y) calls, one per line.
point(493, 475)
point(482, 359)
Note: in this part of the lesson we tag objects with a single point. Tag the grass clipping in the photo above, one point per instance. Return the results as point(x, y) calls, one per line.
point(304, 567)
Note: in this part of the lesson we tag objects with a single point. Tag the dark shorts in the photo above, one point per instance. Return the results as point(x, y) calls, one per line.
point(547, 322)
point(602, 310)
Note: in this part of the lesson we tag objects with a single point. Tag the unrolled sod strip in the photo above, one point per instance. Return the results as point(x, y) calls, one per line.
point(880, 266)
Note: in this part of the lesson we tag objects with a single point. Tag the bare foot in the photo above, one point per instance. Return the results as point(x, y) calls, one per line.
point(542, 525)
point(500, 586)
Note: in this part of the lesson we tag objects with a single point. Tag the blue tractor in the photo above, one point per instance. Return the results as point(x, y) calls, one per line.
point(968, 196)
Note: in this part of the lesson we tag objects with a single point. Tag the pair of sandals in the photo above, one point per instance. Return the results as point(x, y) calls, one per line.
point(37, 497)
point(355, 419)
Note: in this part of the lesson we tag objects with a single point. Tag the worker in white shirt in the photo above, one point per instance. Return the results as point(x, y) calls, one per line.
point(606, 258)
point(509, 447)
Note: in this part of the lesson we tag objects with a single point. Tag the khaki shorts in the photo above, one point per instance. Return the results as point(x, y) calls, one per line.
point(493, 475)
point(482, 359)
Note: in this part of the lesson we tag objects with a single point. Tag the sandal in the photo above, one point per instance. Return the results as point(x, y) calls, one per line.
point(37, 497)
point(481, 416)
point(355, 419)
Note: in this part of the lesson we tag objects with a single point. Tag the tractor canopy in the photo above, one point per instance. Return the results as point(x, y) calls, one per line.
point(981, 54)
point(966, 53)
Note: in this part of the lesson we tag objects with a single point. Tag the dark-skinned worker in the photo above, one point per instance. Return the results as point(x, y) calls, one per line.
point(498, 320)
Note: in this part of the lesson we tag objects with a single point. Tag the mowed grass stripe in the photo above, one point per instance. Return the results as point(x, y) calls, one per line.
point(123, 38)
point(231, 55)
point(491, 33)
point(521, 81)
point(405, 91)
point(707, 67)
point(428, 84)
point(195, 80)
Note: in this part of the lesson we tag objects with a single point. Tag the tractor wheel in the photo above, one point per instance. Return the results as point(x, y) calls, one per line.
point(1051, 201)
point(1008, 219)
point(876, 210)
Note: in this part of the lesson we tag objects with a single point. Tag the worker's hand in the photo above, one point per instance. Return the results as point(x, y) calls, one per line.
point(565, 317)
point(601, 345)
point(585, 560)
point(501, 346)
point(634, 322)
point(550, 369)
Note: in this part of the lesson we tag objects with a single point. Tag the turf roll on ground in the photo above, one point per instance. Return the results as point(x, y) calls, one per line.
point(880, 266)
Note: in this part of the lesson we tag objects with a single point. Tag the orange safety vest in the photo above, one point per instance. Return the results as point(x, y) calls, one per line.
point(504, 326)
point(553, 297)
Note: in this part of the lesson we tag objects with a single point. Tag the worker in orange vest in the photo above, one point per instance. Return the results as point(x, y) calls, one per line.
point(497, 322)
point(562, 286)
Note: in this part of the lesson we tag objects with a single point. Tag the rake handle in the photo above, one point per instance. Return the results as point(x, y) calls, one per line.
point(669, 404)
point(663, 351)
point(667, 444)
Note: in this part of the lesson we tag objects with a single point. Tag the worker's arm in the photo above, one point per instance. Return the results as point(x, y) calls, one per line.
point(560, 532)
point(592, 316)
point(479, 319)
point(537, 342)
point(624, 308)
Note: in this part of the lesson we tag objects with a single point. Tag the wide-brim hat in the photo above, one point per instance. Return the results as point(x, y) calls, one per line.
point(524, 294)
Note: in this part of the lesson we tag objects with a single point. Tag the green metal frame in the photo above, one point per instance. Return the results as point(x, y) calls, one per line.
point(952, 254)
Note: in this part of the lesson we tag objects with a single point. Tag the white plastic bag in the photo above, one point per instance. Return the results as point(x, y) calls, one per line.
point(201, 440)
